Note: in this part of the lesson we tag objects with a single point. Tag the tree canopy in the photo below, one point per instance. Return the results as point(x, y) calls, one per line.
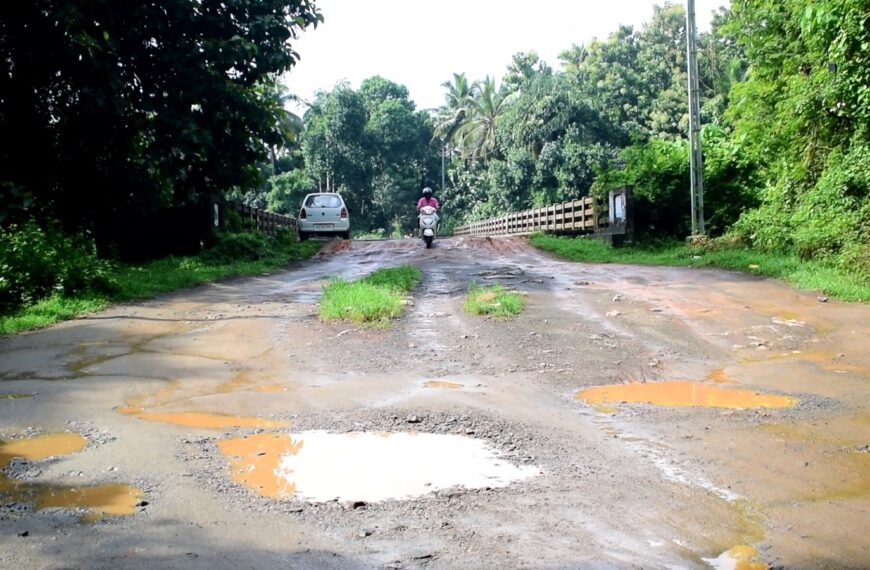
point(113, 109)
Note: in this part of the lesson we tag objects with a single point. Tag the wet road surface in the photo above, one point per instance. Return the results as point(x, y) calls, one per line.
point(630, 417)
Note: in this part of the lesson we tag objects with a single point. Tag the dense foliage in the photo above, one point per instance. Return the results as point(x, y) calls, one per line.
point(786, 104)
point(374, 147)
point(112, 111)
point(37, 262)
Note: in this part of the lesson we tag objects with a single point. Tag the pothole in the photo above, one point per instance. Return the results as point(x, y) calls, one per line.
point(741, 557)
point(95, 500)
point(317, 466)
point(443, 384)
point(208, 420)
point(677, 393)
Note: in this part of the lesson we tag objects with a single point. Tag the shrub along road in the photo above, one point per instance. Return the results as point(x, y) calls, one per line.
point(228, 426)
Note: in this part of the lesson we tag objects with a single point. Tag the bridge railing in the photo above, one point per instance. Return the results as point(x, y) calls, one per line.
point(264, 221)
point(583, 215)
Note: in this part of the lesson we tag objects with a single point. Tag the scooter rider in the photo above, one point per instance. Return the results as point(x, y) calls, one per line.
point(426, 200)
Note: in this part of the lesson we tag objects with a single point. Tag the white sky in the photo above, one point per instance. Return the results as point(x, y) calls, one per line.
point(421, 43)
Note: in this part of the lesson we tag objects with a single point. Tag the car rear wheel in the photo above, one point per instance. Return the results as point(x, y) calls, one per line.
point(303, 236)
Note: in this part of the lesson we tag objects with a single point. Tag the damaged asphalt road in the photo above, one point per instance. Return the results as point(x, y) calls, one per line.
point(226, 426)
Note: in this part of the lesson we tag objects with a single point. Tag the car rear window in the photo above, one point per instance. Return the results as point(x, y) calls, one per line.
point(323, 201)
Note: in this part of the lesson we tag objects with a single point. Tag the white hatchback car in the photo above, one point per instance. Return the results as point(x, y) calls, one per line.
point(323, 214)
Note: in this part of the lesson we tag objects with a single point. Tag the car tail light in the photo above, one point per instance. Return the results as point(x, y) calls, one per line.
point(343, 213)
point(302, 214)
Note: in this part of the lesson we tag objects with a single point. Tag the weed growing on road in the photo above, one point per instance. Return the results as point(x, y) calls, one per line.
point(376, 298)
point(493, 300)
point(401, 279)
point(813, 275)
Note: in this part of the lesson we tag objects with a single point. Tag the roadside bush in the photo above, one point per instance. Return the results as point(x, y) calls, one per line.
point(36, 262)
point(243, 246)
point(828, 221)
point(658, 172)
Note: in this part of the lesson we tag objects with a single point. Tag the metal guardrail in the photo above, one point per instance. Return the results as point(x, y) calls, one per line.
point(584, 215)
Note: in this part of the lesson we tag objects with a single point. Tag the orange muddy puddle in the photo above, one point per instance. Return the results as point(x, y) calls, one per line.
point(41, 447)
point(271, 388)
point(113, 499)
point(740, 557)
point(442, 384)
point(254, 462)
point(207, 420)
point(720, 377)
point(678, 393)
point(319, 466)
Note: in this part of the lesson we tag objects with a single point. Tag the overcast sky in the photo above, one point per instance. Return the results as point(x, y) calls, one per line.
point(421, 43)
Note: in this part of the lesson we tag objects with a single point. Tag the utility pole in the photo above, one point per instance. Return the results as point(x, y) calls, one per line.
point(443, 157)
point(696, 165)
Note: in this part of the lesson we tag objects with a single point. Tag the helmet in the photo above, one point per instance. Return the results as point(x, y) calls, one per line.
point(427, 191)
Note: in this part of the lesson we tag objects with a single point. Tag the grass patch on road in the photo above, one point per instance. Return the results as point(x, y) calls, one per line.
point(376, 298)
point(493, 300)
point(139, 281)
point(811, 275)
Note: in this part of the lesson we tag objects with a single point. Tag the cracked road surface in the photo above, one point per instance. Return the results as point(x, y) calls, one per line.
point(227, 427)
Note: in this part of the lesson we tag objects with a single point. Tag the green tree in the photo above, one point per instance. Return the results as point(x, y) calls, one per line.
point(113, 110)
point(487, 106)
point(455, 112)
point(286, 191)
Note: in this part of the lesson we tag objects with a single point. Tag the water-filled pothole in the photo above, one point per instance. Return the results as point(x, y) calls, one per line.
point(15, 396)
point(682, 394)
point(443, 384)
point(207, 420)
point(364, 466)
point(741, 557)
point(96, 500)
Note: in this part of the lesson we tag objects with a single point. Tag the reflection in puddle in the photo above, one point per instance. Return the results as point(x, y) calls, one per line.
point(442, 384)
point(682, 394)
point(319, 466)
point(741, 557)
point(202, 419)
point(98, 500)
point(254, 462)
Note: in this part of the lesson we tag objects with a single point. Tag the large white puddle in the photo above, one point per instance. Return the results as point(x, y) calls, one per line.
point(361, 466)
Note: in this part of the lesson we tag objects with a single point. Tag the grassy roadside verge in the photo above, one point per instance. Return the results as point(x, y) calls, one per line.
point(376, 298)
point(811, 275)
point(148, 279)
point(493, 300)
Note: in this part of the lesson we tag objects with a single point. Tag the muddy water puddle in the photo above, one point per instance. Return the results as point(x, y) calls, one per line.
point(97, 500)
point(742, 557)
point(443, 384)
point(363, 466)
point(207, 420)
point(679, 393)
point(15, 396)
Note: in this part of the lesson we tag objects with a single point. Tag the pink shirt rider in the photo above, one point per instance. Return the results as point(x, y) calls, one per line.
point(433, 201)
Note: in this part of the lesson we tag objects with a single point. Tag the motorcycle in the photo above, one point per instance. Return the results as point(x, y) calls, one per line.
point(428, 224)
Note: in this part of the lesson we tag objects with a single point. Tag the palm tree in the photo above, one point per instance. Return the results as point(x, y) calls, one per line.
point(478, 133)
point(455, 111)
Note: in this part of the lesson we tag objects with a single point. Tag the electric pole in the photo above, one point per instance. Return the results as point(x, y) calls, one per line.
point(696, 165)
